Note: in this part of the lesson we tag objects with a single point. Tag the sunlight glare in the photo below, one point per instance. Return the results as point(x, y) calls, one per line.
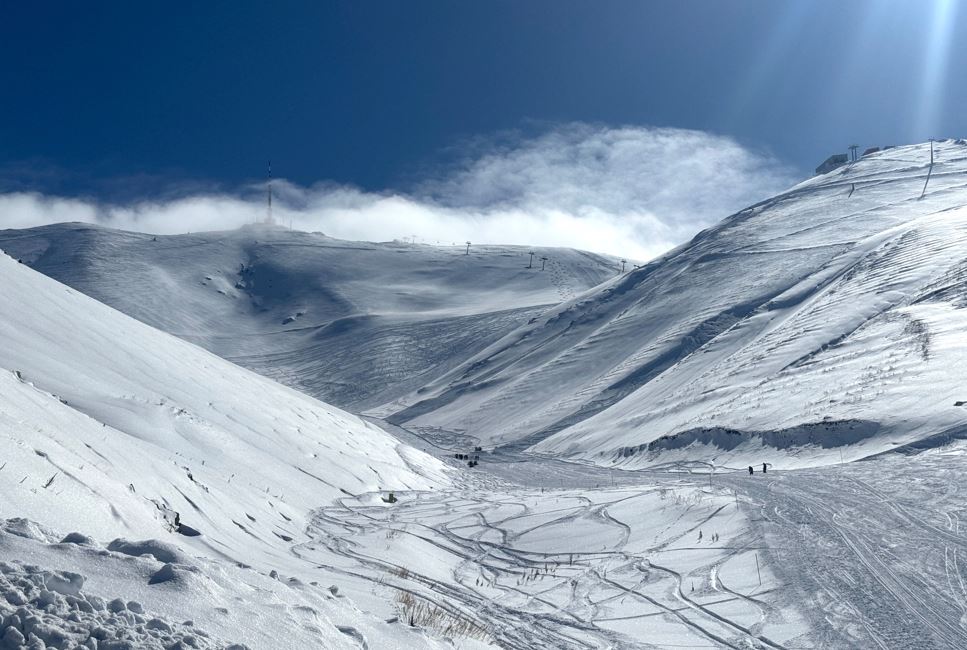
point(935, 67)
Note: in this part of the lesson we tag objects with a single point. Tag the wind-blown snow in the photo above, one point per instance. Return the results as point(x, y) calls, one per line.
point(353, 323)
point(796, 324)
point(825, 319)
point(95, 408)
point(117, 430)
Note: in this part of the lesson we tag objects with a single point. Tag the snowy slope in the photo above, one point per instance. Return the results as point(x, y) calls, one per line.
point(830, 314)
point(353, 323)
point(110, 427)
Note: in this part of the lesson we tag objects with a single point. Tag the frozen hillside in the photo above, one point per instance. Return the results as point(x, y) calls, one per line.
point(117, 430)
point(831, 314)
point(353, 323)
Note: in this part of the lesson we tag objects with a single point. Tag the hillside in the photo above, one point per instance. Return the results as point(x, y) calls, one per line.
point(817, 326)
point(353, 323)
point(829, 315)
point(113, 430)
point(821, 326)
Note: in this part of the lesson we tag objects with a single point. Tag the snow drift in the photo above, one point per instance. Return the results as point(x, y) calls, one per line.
point(116, 429)
point(177, 480)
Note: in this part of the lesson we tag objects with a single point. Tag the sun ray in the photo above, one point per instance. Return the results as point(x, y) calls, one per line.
point(936, 63)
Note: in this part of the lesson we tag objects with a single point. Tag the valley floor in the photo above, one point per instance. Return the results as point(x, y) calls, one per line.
point(542, 554)
point(527, 552)
point(870, 553)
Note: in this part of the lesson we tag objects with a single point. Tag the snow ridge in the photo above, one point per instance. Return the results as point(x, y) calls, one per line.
point(840, 299)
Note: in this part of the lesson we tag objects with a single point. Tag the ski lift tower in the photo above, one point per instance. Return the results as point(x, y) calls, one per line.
point(852, 151)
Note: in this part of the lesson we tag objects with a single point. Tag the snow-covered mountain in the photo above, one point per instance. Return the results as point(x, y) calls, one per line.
point(353, 323)
point(825, 324)
point(830, 314)
point(817, 326)
point(114, 430)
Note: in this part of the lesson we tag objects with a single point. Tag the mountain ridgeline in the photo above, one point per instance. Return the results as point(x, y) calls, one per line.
point(819, 325)
point(352, 323)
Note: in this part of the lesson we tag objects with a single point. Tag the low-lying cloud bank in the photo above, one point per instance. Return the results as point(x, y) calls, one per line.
point(629, 191)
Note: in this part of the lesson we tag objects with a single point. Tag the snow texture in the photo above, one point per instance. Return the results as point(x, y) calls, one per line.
point(232, 455)
point(154, 495)
point(352, 323)
point(827, 319)
point(41, 609)
point(202, 473)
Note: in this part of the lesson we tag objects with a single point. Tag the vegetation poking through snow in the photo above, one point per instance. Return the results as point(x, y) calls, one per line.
point(417, 612)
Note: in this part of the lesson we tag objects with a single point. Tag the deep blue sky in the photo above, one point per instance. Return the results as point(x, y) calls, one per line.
point(98, 95)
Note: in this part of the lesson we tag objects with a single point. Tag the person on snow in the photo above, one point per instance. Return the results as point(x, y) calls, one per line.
point(699, 535)
point(765, 467)
point(750, 470)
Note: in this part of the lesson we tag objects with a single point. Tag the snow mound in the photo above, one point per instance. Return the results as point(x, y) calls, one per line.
point(78, 591)
point(171, 573)
point(40, 608)
point(77, 538)
point(161, 551)
point(27, 529)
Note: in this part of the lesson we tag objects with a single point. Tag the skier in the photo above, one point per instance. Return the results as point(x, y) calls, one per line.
point(699, 535)
point(750, 470)
point(764, 468)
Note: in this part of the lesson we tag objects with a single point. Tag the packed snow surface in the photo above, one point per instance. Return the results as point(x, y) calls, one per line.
point(529, 553)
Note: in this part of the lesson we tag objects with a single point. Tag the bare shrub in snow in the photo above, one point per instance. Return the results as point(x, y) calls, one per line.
point(417, 612)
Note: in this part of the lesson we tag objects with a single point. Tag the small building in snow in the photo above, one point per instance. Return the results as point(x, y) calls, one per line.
point(831, 163)
point(870, 150)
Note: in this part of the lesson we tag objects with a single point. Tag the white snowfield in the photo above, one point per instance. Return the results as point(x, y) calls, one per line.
point(355, 324)
point(117, 430)
point(819, 326)
point(822, 325)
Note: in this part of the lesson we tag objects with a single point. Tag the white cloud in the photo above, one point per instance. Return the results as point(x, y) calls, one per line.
point(629, 191)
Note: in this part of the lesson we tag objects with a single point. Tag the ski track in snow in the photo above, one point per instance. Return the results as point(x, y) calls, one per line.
point(861, 555)
point(849, 349)
point(509, 572)
point(865, 546)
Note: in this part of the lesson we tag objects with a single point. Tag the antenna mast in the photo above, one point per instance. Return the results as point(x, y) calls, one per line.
point(268, 217)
